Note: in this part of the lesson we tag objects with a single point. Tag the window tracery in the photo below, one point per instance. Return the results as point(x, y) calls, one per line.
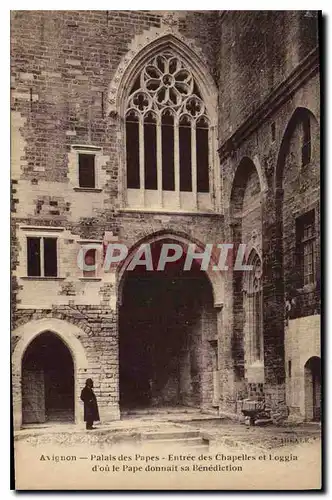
point(168, 140)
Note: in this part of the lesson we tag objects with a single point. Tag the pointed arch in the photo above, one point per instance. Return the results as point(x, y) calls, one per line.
point(69, 334)
point(254, 260)
point(214, 277)
point(300, 114)
point(163, 326)
point(246, 168)
point(167, 166)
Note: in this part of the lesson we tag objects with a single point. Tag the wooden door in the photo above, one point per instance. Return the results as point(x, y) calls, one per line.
point(33, 397)
point(316, 390)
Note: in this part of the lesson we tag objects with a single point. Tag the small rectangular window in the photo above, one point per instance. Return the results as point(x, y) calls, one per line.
point(34, 268)
point(289, 368)
point(42, 256)
point(306, 145)
point(90, 260)
point(86, 166)
point(273, 131)
point(50, 257)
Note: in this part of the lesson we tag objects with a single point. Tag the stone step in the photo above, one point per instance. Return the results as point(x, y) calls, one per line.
point(163, 411)
point(202, 448)
point(171, 435)
point(186, 441)
point(175, 439)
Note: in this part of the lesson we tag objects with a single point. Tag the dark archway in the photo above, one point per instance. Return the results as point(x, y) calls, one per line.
point(302, 118)
point(312, 389)
point(168, 347)
point(47, 381)
point(246, 188)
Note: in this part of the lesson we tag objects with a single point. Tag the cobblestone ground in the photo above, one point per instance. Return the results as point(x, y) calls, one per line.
point(267, 437)
point(217, 430)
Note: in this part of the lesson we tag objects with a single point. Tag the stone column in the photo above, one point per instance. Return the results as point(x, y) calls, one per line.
point(230, 328)
point(273, 306)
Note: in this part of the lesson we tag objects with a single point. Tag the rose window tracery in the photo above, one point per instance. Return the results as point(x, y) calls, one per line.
point(168, 80)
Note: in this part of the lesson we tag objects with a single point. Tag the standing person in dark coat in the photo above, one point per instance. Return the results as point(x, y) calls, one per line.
point(89, 399)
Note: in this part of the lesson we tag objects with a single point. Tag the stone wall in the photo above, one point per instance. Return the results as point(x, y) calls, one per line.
point(255, 127)
point(302, 342)
point(257, 52)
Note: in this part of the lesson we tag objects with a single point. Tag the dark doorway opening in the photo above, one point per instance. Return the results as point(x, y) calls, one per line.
point(47, 381)
point(163, 354)
point(312, 371)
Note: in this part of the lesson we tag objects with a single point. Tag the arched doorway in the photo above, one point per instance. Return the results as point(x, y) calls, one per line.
point(312, 382)
point(47, 381)
point(168, 336)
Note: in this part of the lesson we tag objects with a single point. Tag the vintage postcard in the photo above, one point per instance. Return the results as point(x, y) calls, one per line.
point(165, 238)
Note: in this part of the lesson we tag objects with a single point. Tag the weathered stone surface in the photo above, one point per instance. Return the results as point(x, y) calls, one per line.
point(63, 63)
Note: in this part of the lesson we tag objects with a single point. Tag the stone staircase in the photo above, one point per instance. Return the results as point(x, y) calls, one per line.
point(157, 437)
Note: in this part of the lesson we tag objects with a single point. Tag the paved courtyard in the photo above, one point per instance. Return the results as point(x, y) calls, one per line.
point(133, 426)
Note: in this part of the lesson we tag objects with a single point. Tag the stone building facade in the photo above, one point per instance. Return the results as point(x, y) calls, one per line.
point(155, 127)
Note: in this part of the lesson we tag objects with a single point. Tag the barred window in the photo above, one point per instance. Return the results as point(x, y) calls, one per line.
point(305, 228)
point(254, 308)
point(306, 144)
point(168, 138)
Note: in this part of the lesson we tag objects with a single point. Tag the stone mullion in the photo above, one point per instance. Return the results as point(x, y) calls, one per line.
point(141, 160)
point(159, 162)
point(254, 328)
point(249, 328)
point(212, 187)
point(261, 330)
point(194, 162)
point(177, 160)
point(42, 263)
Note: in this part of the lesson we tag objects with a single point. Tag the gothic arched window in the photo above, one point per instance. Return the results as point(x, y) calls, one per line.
point(254, 309)
point(168, 138)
